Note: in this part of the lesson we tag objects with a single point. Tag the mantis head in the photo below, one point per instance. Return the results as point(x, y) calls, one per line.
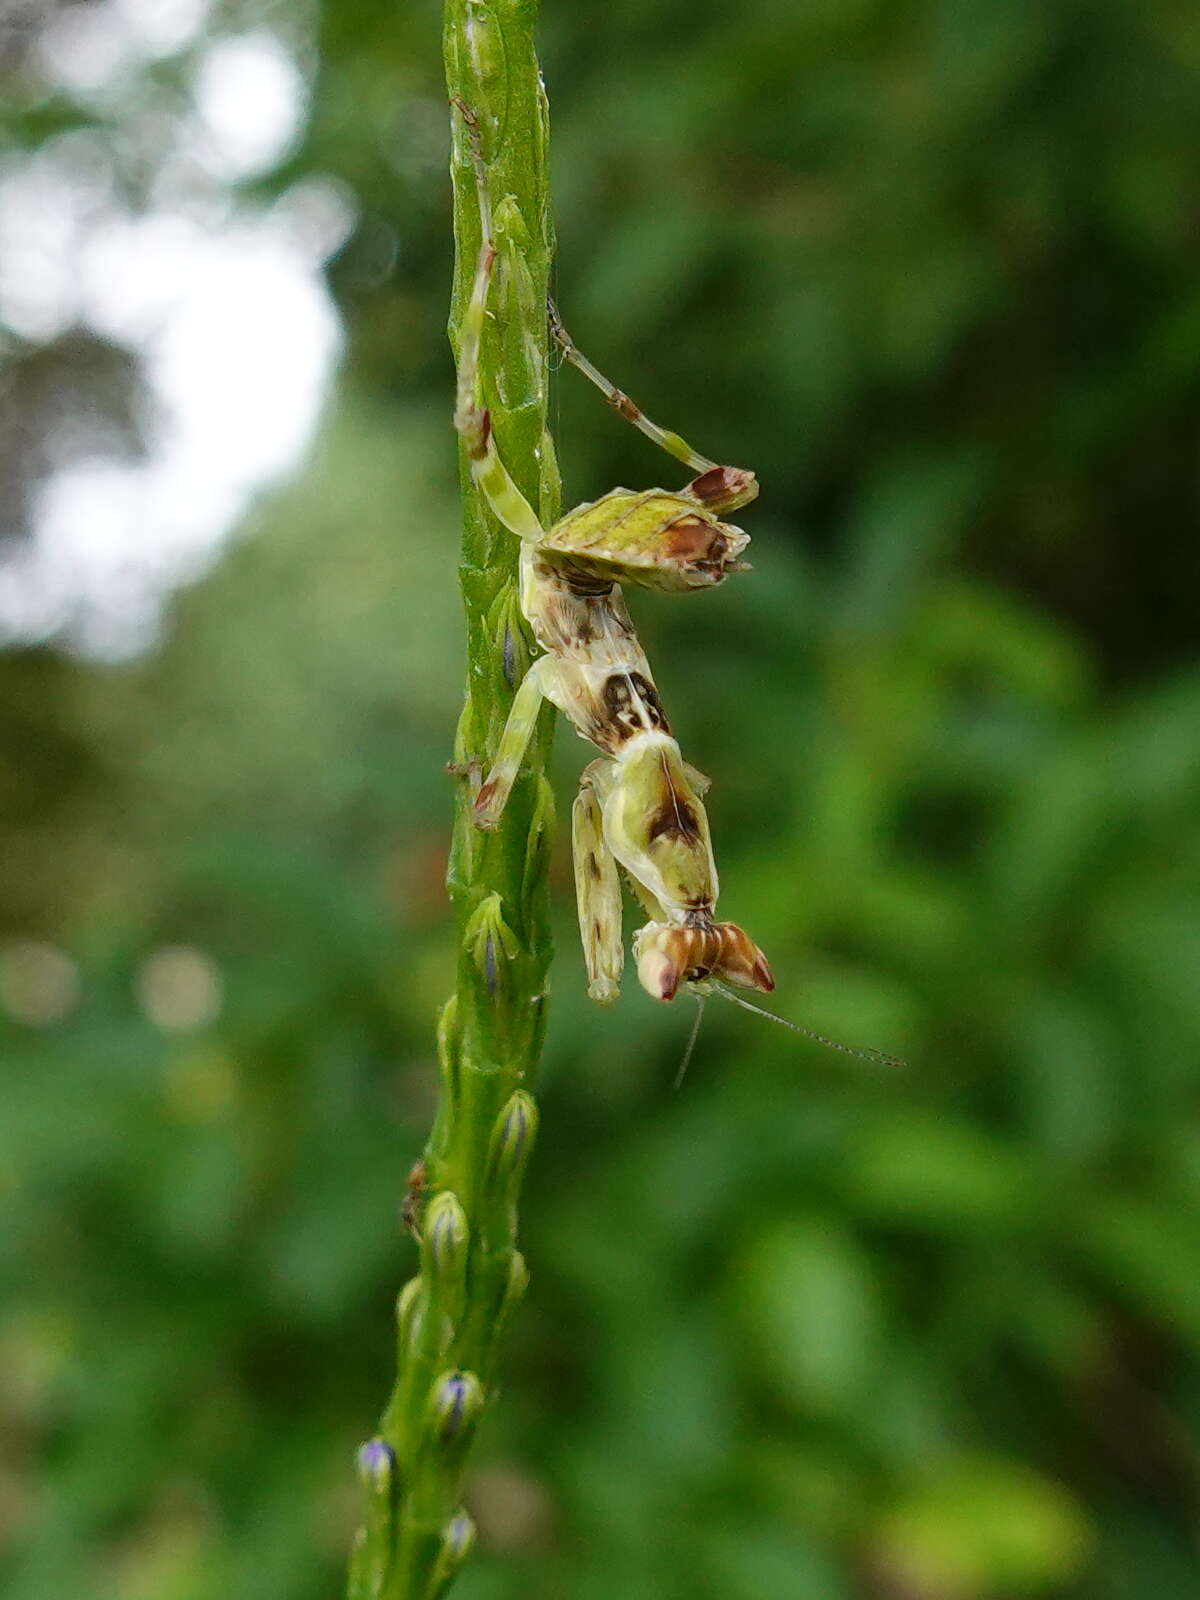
point(668, 956)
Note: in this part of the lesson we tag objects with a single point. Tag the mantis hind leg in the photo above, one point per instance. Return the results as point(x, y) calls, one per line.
point(715, 487)
point(471, 418)
point(597, 894)
point(620, 401)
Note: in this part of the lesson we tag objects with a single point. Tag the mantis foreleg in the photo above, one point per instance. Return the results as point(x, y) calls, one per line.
point(597, 895)
point(514, 741)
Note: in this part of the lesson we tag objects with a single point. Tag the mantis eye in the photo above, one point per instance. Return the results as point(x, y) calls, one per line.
point(740, 961)
point(658, 974)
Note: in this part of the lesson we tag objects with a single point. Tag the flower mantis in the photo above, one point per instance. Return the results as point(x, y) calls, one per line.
point(640, 808)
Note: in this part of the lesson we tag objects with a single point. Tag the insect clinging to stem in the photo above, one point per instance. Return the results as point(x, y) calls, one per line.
point(639, 809)
point(414, 1199)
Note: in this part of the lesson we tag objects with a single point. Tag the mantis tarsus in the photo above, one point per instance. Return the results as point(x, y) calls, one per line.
point(639, 807)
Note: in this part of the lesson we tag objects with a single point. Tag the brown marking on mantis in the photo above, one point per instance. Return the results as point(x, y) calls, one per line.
point(700, 547)
point(480, 432)
point(722, 488)
point(676, 817)
point(632, 706)
point(648, 695)
point(586, 631)
point(676, 820)
point(483, 800)
point(740, 960)
point(692, 537)
point(586, 584)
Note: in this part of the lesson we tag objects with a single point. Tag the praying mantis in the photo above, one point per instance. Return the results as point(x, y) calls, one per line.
point(640, 805)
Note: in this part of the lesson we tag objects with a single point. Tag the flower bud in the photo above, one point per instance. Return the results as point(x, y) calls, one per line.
point(409, 1310)
point(358, 1586)
point(458, 1537)
point(511, 1141)
point(510, 636)
point(444, 1240)
point(376, 1464)
point(476, 59)
point(541, 833)
point(454, 1408)
point(491, 943)
point(377, 1470)
point(458, 1540)
point(514, 1292)
point(449, 1048)
point(551, 477)
point(518, 1280)
point(512, 1138)
point(465, 741)
point(521, 374)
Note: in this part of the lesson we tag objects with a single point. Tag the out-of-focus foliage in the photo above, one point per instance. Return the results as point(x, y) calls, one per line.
point(807, 1328)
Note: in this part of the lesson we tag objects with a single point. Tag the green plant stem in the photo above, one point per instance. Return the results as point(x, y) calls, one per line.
point(449, 1317)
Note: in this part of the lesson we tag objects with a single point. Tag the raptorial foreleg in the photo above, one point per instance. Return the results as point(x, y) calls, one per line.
point(597, 894)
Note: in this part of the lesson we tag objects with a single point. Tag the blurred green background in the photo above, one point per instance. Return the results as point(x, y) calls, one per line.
point(806, 1328)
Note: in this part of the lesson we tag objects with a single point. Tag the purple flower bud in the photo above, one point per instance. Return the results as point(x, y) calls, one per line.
point(457, 1402)
point(458, 1536)
point(453, 1402)
point(375, 1464)
point(491, 942)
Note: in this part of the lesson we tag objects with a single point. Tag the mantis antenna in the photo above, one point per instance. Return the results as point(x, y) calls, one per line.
point(880, 1057)
point(691, 1044)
